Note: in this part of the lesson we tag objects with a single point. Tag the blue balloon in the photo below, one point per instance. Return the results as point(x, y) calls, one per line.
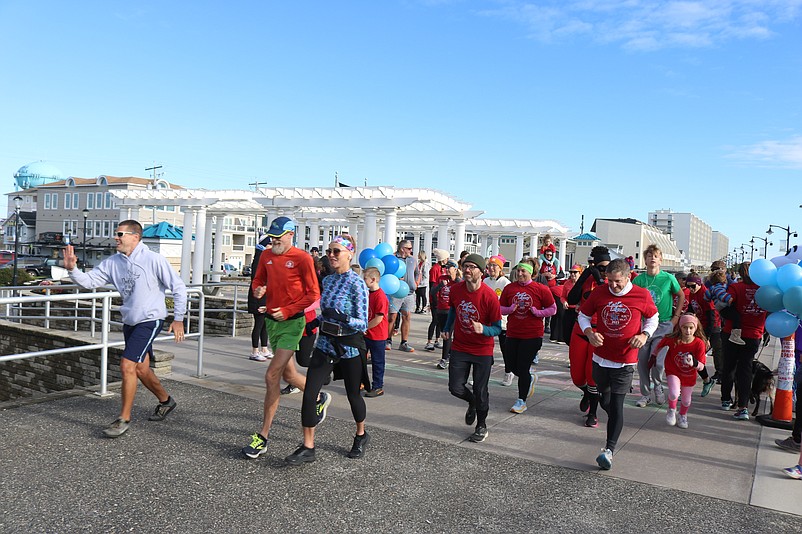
point(402, 269)
point(763, 272)
point(788, 276)
point(792, 300)
point(389, 284)
point(365, 256)
point(390, 264)
point(375, 262)
point(770, 298)
point(382, 250)
point(781, 324)
point(403, 290)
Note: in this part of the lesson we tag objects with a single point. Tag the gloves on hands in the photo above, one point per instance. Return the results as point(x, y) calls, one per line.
point(331, 313)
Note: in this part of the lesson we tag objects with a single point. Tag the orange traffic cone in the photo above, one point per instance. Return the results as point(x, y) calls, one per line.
point(783, 412)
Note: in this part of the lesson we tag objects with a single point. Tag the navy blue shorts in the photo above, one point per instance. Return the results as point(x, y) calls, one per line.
point(139, 339)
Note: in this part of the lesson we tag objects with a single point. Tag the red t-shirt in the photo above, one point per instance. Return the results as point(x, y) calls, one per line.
point(521, 324)
point(377, 305)
point(444, 293)
point(434, 274)
point(701, 308)
point(675, 359)
point(619, 320)
point(684, 304)
point(480, 305)
point(587, 288)
point(753, 317)
point(290, 278)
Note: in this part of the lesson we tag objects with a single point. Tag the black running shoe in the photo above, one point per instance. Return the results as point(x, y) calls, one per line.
point(162, 409)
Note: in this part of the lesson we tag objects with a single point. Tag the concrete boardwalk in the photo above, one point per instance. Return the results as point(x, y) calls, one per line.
point(536, 471)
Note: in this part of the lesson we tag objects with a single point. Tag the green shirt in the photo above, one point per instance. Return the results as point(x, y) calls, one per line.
point(663, 287)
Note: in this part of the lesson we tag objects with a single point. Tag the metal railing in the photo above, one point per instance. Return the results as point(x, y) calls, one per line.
point(18, 302)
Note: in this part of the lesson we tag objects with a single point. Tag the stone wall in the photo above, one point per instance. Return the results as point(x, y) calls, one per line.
point(46, 374)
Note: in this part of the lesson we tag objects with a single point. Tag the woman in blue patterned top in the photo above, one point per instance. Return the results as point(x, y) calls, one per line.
point(344, 307)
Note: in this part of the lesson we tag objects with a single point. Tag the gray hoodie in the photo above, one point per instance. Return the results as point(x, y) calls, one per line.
point(142, 279)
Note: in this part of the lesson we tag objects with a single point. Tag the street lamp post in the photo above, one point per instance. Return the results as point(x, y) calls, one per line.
point(86, 215)
point(17, 206)
point(766, 244)
point(788, 233)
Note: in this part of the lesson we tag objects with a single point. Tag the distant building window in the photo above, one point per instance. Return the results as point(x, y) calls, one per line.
point(47, 201)
point(106, 228)
point(89, 226)
point(98, 228)
point(75, 201)
point(90, 201)
point(54, 201)
point(67, 200)
point(98, 201)
point(108, 201)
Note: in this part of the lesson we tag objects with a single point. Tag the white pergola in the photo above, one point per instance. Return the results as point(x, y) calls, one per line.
point(363, 211)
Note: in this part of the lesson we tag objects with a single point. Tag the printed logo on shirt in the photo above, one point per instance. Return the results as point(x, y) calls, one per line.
point(290, 264)
point(498, 292)
point(696, 308)
point(657, 296)
point(269, 262)
point(522, 302)
point(683, 361)
point(466, 314)
point(616, 316)
point(752, 308)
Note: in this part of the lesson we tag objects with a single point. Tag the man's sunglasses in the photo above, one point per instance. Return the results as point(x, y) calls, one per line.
point(121, 234)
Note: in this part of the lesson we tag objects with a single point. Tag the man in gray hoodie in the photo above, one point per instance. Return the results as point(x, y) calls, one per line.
point(142, 277)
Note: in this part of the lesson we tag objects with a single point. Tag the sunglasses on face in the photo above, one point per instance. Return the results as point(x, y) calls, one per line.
point(691, 286)
point(574, 272)
point(333, 251)
point(121, 234)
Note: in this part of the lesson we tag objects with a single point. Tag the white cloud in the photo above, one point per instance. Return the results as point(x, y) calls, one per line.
point(649, 24)
point(772, 153)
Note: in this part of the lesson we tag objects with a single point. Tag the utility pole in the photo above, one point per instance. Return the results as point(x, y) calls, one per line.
point(256, 185)
point(154, 169)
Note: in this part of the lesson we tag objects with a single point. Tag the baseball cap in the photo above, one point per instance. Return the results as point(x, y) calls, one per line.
point(280, 226)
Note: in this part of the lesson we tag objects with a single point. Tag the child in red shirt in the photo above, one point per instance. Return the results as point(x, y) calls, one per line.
point(685, 348)
point(376, 334)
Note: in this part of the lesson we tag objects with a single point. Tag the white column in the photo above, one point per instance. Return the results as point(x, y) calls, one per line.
point(200, 240)
point(370, 229)
point(443, 242)
point(533, 251)
point(390, 232)
point(207, 243)
point(519, 248)
point(218, 247)
point(186, 244)
point(300, 234)
point(494, 245)
point(480, 244)
point(459, 238)
point(271, 214)
point(427, 243)
point(357, 233)
point(561, 253)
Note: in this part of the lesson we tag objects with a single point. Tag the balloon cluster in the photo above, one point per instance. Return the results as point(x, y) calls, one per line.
point(780, 294)
point(382, 258)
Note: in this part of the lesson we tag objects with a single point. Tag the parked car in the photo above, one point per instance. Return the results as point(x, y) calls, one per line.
point(44, 268)
point(246, 271)
point(230, 270)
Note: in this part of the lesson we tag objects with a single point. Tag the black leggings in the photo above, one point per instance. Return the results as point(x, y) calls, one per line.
point(420, 297)
point(442, 317)
point(319, 369)
point(433, 326)
point(521, 354)
point(614, 384)
point(259, 332)
point(738, 369)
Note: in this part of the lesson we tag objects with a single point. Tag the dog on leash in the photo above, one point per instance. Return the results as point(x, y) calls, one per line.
point(762, 383)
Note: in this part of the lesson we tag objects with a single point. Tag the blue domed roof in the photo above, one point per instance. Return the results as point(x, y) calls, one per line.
point(37, 173)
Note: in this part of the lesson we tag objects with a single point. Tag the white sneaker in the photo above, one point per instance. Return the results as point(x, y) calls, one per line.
point(671, 417)
point(659, 395)
point(258, 357)
point(267, 353)
point(507, 379)
point(682, 422)
point(735, 337)
point(643, 401)
point(605, 459)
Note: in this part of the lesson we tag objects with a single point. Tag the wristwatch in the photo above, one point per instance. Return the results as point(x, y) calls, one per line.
point(648, 335)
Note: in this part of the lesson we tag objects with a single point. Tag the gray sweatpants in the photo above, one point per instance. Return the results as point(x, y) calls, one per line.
point(655, 378)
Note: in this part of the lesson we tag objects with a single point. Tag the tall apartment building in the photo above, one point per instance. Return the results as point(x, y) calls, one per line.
point(630, 237)
point(720, 246)
point(693, 236)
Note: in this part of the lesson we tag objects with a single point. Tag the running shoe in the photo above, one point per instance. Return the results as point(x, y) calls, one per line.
point(388, 345)
point(470, 415)
point(584, 403)
point(322, 406)
point(117, 428)
point(591, 421)
point(726, 405)
point(643, 401)
point(162, 409)
point(532, 382)
point(605, 459)
point(788, 444)
point(707, 387)
point(429, 346)
point(507, 381)
point(442, 364)
point(479, 435)
point(438, 344)
point(519, 406)
point(404, 347)
point(375, 392)
point(258, 357)
point(302, 455)
point(267, 353)
point(358, 448)
point(794, 472)
point(289, 390)
point(741, 415)
point(671, 417)
point(682, 421)
point(257, 446)
point(659, 395)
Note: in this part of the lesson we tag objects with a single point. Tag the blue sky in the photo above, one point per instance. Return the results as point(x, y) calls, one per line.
point(548, 109)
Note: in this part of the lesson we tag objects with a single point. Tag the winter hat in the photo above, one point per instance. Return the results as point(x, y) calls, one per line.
point(440, 254)
point(476, 259)
point(498, 260)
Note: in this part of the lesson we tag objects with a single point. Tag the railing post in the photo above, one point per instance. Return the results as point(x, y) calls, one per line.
point(201, 315)
point(47, 307)
point(234, 313)
point(104, 351)
point(93, 314)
